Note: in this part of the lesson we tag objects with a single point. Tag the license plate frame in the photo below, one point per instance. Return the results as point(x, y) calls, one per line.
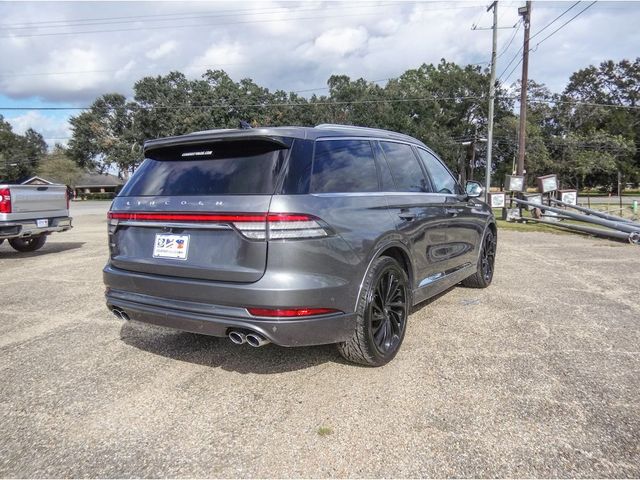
point(171, 246)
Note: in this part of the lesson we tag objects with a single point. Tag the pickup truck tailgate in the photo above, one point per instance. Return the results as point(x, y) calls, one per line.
point(42, 201)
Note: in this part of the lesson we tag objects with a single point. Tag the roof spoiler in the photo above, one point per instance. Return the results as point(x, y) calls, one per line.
point(172, 142)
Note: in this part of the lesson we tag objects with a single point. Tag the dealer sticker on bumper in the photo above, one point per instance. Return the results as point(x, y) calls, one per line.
point(171, 246)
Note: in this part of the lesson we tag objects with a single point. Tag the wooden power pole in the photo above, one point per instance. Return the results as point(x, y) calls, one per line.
point(526, 16)
point(492, 94)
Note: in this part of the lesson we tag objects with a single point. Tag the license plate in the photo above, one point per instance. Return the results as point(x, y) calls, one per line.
point(171, 246)
point(42, 223)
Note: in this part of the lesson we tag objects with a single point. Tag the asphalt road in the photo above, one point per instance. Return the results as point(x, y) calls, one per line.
point(537, 376)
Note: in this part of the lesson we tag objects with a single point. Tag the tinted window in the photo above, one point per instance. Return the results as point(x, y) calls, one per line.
point(222, 169)
point(443, 181)
point(405, 169)
point(344, 166)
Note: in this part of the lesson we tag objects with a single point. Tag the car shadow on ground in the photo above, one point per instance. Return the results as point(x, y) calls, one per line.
point(222, 353)
point(6, 251)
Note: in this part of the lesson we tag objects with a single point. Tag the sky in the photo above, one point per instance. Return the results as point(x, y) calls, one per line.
point(66, 54)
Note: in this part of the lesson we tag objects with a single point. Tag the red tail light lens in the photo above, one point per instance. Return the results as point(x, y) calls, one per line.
point(290, 312)
point(5, 200)
point(255, 226)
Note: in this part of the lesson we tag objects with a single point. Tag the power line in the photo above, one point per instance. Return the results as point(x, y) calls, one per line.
point(288, 19)
point(326, 103)
point(191, 16)
point(565, 23)
point(554, 20)
point(518, 25)
point(260, 105)
point(148, 16)
point(545, 38)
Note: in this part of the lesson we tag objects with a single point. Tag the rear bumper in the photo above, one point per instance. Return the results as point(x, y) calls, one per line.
point(29, 228)
point(218, 320)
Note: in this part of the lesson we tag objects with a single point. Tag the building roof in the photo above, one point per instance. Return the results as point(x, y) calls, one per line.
point(98, 180)
point(36, 178)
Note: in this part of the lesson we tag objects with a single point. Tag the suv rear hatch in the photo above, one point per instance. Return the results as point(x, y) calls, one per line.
point(199, 211)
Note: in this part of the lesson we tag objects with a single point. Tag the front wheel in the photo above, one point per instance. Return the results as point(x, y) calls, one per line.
point(382, 314)
point(28, 244)
point(486, 262)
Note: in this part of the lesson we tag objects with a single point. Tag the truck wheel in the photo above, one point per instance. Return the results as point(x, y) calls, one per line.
point(28, 244)
point(382, 314)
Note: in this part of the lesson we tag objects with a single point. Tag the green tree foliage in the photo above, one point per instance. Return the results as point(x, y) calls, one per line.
point(608, 132)
point(57, 166)
point(445, 105)
point(19, 154)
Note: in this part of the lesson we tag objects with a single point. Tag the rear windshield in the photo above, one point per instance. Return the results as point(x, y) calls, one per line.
point(226, 168)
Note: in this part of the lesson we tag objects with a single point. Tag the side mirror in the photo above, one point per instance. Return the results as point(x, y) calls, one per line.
point(473, 189)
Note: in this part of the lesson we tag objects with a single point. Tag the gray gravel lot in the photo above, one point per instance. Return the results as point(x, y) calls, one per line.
point(537, 376)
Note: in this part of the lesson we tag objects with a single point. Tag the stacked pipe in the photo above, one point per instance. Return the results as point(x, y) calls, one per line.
point(619, 228)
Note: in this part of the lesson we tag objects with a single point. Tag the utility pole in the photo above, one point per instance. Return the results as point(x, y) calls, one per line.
point(526, 17)
point(492, 94)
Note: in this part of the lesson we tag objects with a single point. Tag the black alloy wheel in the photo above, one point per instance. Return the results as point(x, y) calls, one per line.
point(488, 257)
point(382, 313)
point(388, 310)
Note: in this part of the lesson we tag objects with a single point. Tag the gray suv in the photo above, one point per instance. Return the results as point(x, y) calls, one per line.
point(295, 236)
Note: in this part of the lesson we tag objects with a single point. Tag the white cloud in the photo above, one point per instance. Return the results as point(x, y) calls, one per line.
point(53, 128)
point(217, 55)
point(340, 41)
point(289, 45)
point(162, 50)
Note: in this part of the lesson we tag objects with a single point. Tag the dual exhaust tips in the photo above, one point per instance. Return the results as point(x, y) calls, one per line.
point(253, 339)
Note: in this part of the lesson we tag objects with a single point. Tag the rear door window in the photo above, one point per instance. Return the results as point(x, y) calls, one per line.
point(343, 166)
point(443, 181)
point(225, 168)
point(404, 166)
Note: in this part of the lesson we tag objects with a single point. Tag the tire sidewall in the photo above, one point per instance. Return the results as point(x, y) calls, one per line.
point(382, 266)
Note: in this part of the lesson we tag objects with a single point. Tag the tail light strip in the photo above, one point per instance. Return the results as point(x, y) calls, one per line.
point(253, 226)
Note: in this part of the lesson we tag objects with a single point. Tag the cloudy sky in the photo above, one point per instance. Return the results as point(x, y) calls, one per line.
point(65, 54)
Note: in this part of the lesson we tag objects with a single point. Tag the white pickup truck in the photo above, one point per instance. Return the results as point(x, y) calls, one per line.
point(28, 213)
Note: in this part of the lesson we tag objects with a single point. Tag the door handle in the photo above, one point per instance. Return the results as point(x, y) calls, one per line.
point(451, 211)
point(407, 215)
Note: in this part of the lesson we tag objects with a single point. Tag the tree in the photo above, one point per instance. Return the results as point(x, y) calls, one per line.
point(19, 154)
point(615, 87)
point(59, 167)
point(106, 136)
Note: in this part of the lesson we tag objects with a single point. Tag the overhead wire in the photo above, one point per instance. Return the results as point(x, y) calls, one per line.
point(201, 25)
point(501, 77)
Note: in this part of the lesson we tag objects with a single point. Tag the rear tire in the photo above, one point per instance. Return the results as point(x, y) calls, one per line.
point(28, 244)
point(486, 262)
point(383, 308)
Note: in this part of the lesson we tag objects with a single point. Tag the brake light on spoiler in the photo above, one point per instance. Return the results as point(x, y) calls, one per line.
point(254, 226)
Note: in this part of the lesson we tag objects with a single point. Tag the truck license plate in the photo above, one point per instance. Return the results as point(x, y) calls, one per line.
point(42, 223)
point(171, 246)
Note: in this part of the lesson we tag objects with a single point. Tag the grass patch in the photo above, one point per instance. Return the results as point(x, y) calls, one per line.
point(324, 431)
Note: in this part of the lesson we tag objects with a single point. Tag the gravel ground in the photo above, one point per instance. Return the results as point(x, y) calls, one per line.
point(537, 376)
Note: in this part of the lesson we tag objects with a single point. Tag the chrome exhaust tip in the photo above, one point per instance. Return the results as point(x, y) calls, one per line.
point(237, 337)
point(120, 314)
point(256, 340)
